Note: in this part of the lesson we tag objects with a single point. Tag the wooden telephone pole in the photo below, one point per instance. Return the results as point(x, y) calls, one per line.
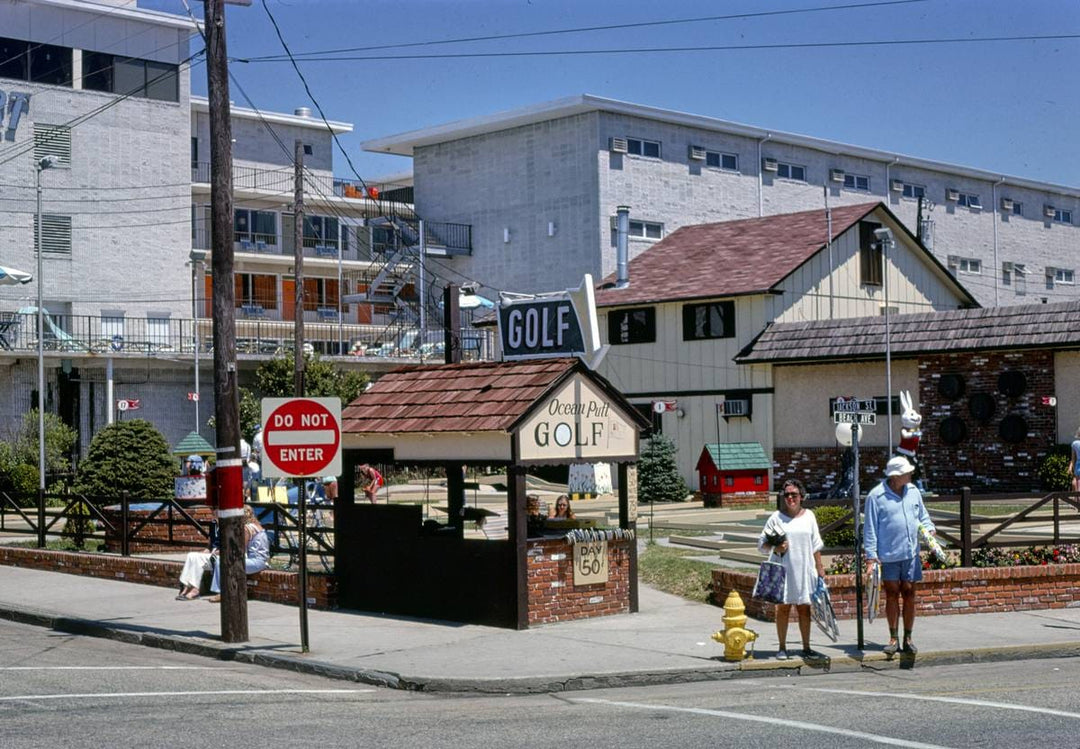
point(298, 268)
point(228, 475)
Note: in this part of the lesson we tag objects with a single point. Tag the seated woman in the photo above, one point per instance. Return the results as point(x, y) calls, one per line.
point(562, 509)
point(196, 563)
point(256, 552)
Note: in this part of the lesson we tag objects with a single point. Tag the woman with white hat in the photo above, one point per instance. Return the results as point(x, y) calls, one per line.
point(894, 512)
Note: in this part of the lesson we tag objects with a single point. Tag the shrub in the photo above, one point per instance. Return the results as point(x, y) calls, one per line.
point(19, 456)
point(658, 473)
point(130, 456)
point(1053, 471)
point(842, 536)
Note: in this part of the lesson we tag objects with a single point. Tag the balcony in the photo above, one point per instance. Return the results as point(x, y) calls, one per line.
point(278, 245)
point(258, 334)
point(280, 181)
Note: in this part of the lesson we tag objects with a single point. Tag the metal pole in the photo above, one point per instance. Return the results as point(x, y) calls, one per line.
point(885, 237)
point(195, 323)
point(42, 165)
point(855, 504)
point(302, 497)
point(423, 296)
point(828, 240)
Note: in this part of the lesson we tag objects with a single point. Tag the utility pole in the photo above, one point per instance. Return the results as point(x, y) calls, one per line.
point(298, 269)
point(228, 474)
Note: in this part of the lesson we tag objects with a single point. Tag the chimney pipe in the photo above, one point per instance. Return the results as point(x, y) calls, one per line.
point(622, 233)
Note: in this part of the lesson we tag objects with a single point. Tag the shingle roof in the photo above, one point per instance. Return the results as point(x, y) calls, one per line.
point(485, 396)
point(1027, 326)
point(738, 456)
point(193, 444)
point(730, 258)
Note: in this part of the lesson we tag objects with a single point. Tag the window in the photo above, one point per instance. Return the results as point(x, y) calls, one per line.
point(250, 227)
point(130, 76)
point(791, 171)
point(709, 320)
point(639, 147)
point(157, 330)
point(1064, 275)
point(632, 326)
point(1015, 275)
point(968, 200)
point(856, 182)
point(112, 326)
point(39, 63)
point(965, 264)
point(1018, 208)
point(914, 191)
point(257, 290)
point(727, 161)
point(321, 230)
point(320, 292)
point(870, 255)
point(646, 229)
point(56, 238)
point(13, 59)
point(194, 152)
point(1062, 216)
point(55, 141)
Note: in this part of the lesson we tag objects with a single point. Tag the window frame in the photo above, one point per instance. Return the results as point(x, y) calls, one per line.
point(645, 332)
point(720, 156)
point(969, 200)
point(1062, 216)
point(643, 145)
point(691, 323)
point(871, 255)
point(645, 226)
point(1065, 276)
point(787, 166)
point(854, 186)
point(912, 188)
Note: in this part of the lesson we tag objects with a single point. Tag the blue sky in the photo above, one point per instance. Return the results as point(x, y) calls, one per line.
point(1008, 107)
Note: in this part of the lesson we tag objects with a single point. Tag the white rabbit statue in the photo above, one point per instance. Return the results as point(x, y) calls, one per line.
point(911, 420)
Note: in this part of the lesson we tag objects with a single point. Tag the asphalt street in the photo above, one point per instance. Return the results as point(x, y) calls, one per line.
point(65, 690)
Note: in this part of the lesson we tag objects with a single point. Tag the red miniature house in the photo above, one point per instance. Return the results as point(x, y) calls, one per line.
point(734, 473)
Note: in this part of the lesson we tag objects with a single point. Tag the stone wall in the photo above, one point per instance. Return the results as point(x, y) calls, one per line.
point(275, 586)
point(971, 590)
point(553, 597)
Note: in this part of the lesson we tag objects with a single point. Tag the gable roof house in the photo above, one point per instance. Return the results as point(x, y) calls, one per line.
point(698, 297)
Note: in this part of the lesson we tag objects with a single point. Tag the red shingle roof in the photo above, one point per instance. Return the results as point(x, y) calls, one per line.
point(730, 258)
point(486, 396)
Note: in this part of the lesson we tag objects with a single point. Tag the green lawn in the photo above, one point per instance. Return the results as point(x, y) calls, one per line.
point(669, 570)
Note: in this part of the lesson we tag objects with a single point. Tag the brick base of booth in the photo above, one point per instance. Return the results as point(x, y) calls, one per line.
point(971, 590)
point(275, 586)
point(553, 597)
point(739, 499)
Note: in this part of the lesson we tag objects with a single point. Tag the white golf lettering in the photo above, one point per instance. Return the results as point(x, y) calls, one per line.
point(532, 327)
point(513, 320)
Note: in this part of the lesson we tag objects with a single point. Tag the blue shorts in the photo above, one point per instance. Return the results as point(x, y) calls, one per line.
point(908, 571)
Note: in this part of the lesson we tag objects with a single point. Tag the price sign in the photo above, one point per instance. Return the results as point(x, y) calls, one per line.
point(590, 562)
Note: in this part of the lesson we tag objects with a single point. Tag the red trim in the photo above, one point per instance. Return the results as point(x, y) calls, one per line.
point(230, 487)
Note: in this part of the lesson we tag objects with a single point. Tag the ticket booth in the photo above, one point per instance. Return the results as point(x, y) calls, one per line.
point(511, 415)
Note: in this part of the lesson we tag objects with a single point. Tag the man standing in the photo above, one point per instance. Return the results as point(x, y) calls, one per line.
point(894, 512)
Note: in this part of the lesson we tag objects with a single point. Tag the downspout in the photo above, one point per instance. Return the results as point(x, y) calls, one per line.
point(622, 234)
point(761, 177)
point(828, 242)
point(888, 179)
point(997, 273)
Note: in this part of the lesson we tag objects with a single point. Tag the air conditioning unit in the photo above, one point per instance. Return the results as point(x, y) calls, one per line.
point(1049, 211)
point(836, 175)
point(697, 153)
point(1051, 272)
point(618, 145)
point(1007, 205)
point(1006, 267)
point(769, 165)
point(951, 194)
point(896, 185)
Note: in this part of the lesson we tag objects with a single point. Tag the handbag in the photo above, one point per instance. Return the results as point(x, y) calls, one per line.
point(770, 581)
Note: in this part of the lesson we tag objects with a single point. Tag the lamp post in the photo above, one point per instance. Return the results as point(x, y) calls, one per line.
point(42, 164)
point(198, 257)
point(885, 236)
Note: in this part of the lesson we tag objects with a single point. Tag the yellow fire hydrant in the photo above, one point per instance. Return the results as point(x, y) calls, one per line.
point(735, 636)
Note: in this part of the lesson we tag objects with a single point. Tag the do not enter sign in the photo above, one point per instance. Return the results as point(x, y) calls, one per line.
point(301, 437)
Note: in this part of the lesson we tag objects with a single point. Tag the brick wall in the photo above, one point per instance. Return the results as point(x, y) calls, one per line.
point(275, 586)
point(819, 467)
point(552, 596)
point(736, 499)
point(983, 460)
point(972, 590)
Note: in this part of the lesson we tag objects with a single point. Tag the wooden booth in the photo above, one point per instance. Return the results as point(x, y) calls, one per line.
point(510, 415)
point(733, 473)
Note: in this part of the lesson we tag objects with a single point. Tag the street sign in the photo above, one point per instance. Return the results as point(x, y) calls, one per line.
point(301, 437)
point(840, 403)
point(193, 396)
point(866, 418)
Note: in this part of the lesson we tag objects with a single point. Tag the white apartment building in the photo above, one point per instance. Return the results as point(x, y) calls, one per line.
point(540, 187)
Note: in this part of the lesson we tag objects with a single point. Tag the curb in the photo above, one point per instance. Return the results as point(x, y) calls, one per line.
point(716, 670)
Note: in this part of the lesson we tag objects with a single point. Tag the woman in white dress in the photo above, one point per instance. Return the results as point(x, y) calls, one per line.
point(793, 534)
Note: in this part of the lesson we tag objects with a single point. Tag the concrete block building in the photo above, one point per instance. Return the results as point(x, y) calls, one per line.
point(540, 187)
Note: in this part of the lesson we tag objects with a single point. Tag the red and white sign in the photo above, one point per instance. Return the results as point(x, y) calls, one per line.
point(128, 404)
point(301, 437)
point(660, 407)
point(193, 396)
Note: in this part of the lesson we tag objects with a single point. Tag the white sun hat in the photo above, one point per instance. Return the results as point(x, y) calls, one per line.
point(898, 466)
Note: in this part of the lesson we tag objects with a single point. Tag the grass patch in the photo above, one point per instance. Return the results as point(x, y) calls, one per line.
point(669, 570)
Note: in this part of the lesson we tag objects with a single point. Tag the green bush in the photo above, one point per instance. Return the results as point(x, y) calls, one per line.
point(659, 479)
point(19, 456)
point(841, 537)
point(130, 456)
point(1053, 471)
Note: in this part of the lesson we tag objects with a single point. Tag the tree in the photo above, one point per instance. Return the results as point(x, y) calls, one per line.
point(130, 456)
point(19, 456)
point(274, 379)
point(658, 473)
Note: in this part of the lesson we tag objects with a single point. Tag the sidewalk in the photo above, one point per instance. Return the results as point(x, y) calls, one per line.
point(667, 642)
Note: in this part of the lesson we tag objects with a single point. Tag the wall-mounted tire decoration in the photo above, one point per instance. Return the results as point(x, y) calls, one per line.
point(1012, 383)
point(982, 407)
point(950, 386)
point(1013, 428)
point(952, 430)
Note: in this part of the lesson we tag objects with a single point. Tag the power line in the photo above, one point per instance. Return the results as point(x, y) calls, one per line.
point(585, 29)
point(710, 48)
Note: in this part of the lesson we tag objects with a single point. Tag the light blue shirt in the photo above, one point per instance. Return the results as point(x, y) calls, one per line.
point(891, 525)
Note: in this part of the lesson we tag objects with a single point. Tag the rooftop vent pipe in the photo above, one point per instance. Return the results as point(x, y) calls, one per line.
point(302, 111)
point(622, 233)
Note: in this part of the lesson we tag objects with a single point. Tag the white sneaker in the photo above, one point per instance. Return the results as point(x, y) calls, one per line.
point(781, 655)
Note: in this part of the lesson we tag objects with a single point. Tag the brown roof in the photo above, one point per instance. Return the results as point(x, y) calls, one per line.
point(1025, 326)
point(478, 396)
point(730, 258)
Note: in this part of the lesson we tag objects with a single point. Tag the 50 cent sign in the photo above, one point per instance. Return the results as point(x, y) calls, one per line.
point(301, 437)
